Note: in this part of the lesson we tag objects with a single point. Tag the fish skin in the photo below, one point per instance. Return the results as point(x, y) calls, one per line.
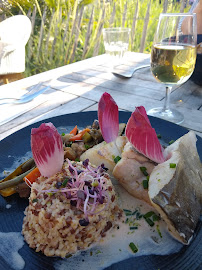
point(180, 200)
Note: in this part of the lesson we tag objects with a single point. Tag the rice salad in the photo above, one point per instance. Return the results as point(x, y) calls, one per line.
point(70, 210)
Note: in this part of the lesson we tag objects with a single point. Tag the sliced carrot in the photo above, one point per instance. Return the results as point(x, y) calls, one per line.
point(32, 176)
point(79, 136)
point(74, 130)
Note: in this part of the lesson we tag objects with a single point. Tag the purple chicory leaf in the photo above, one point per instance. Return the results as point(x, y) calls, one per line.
point(143, 137)
point(47, 149)
point(108, 117)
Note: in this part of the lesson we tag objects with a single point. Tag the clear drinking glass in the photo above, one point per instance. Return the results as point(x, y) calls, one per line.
point(173, 58)
point(116, 42)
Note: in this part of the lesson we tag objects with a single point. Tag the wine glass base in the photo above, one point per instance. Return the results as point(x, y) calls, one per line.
point(171, 115)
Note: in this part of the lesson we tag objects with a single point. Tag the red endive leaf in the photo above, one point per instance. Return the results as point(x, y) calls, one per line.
point(108, 117)
point(143, 137)
point(47, 149)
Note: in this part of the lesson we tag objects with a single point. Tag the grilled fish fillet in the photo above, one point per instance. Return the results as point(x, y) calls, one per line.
point(105, 153)
point(127, 172)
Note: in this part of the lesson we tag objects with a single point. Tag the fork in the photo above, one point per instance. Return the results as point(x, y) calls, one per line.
point(26, 97)
point(128, 74)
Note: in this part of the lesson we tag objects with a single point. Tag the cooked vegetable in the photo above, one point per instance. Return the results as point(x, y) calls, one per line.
point(32, 176)
point(143, 137)
point(74, 130)
point(108, 117)
point(47, 149)
point(79, 136)
point(87, 137)
point(9, 187)
point(8, 191)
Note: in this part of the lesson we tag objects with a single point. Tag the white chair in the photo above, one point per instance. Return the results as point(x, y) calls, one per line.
point(14, 34)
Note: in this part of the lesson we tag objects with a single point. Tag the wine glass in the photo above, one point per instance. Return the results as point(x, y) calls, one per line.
point(173, 58)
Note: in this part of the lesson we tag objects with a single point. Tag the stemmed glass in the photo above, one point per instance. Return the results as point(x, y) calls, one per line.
point(173, 58)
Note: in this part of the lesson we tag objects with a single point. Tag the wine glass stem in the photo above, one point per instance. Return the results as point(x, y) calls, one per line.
point(166, 106)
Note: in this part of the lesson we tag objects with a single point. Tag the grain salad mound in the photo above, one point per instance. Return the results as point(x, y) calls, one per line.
point(71, 210)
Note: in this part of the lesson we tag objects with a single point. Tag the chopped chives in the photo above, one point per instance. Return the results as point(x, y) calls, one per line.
point(77, 159)
point(172, 165)
point(158, 230)
point(170, 142)
point(138, 215)
point(150, 222)
point(63, 134)
point(134, 228)
point(144, 171)
point(126, 210)
point(128, 214)
point(133, 247)
point(155, 217)
point(145, 184)
point(35, 200)
point(134, 212)
point(116, 159)
point(159, 136)
point(149, 214)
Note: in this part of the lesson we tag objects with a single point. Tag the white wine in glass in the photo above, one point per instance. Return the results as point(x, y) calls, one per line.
point(173, 58)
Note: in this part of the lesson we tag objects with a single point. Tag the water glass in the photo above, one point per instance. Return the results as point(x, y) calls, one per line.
point(116, 42)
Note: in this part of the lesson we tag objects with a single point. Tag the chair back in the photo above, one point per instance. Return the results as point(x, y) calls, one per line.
point(14, 34)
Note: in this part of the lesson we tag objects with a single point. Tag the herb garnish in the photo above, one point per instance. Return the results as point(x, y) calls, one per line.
point(150, 217)
point(170, 142)
point(116, 159)
point(158, 230)
point(172, 165)
point(144, 171)
point(145, 184)
point(133, 247)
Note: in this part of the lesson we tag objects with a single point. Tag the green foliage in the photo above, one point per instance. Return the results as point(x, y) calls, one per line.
point(55, 42)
